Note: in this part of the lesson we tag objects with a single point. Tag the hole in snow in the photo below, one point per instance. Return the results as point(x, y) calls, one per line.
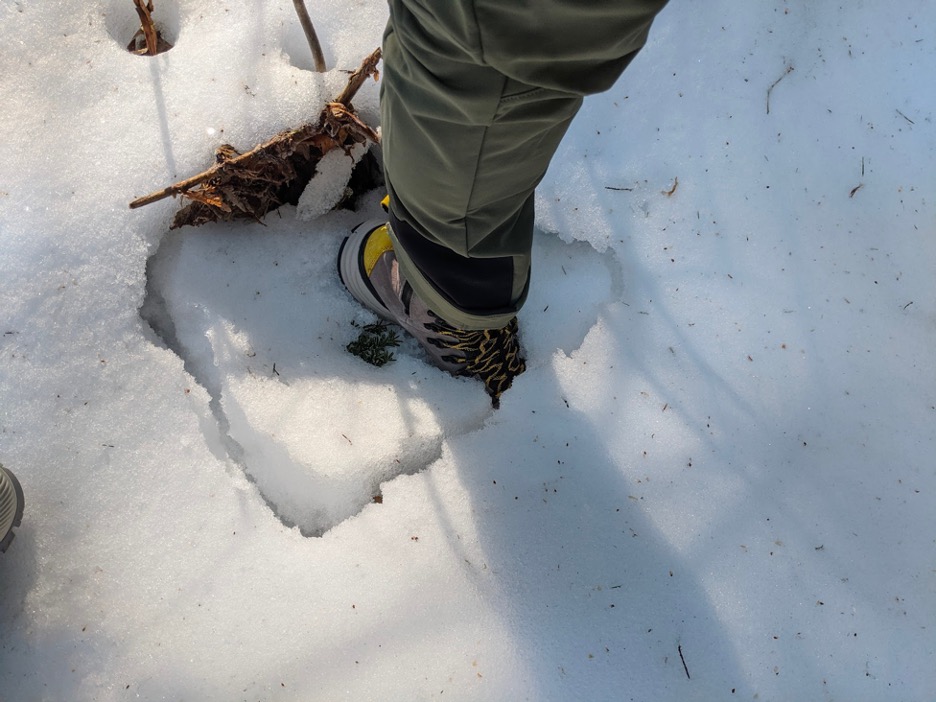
point(296, 46)
point(261, 320)
point(123, 24)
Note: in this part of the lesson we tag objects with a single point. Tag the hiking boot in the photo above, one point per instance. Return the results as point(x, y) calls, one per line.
point(369, 269)
point(11, 506)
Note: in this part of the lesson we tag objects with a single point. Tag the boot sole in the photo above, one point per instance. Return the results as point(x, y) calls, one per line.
point(18, 516)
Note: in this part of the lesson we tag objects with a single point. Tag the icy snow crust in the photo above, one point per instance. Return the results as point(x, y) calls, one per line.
point(714, 482)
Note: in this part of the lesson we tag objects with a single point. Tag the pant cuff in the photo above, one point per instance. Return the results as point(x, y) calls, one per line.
point(457, 313)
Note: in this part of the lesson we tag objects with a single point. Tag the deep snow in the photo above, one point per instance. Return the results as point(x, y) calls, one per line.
point(721, 454)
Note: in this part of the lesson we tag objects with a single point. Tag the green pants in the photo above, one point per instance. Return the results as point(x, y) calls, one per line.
point(476, 96)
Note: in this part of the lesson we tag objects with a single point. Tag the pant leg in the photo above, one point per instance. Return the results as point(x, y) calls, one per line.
point(467, 136)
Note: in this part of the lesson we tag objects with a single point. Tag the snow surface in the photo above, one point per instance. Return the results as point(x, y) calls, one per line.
point(711, 484)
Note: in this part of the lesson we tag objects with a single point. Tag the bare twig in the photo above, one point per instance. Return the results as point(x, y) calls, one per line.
point(685, 667)
point(181, 186)
point(905, 117)
point(146, 24)
point(789, 69)
point(317, 56)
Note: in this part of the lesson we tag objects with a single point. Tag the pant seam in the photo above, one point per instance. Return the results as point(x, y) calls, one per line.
point(477, 166)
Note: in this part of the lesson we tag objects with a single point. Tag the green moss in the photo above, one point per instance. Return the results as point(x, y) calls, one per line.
point(374, 343)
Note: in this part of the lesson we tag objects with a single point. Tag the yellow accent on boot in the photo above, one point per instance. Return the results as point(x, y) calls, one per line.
point(385, 203)
point(378, 243)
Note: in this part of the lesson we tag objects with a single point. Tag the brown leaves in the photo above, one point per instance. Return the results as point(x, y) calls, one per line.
point(341, 124)
point(249, 186)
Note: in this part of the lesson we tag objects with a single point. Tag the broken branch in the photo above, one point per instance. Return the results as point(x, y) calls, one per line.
point(251, 184)
point(367, 69)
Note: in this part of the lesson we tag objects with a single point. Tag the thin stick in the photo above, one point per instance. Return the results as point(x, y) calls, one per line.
point(905, 117)
point(146, 24)
point(685, 667)
point(773, 85)
point(181, 186)
point(317, 56)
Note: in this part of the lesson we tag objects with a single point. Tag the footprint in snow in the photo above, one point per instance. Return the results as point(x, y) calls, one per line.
point(259, 317)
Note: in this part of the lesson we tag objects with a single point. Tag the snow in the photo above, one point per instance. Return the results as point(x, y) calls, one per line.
point(721, 454)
